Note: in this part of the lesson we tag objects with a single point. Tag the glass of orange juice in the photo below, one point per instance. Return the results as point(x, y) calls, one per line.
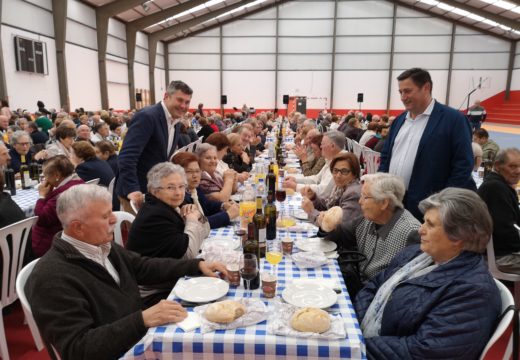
point(274, 254)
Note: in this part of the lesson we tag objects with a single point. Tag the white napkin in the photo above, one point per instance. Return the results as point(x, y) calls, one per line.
point(279, 323)
point(300, 227)
point(191, 323)
point(330, 283)
point(309, 259)
point(256, 312)
point(214, 253)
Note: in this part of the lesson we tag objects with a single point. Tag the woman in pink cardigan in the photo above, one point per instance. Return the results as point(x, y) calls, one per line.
point(59, 176)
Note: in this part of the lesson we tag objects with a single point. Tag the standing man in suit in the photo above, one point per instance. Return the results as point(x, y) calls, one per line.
point(153, 137)
point(429, 145)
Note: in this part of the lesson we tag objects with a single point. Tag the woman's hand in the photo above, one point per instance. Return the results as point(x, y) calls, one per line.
point(289, 184)
point(308, 193)
point(45, 188)
point(307, 205)
point(190, 212)
point(209, 268)
point(233, 211)
point(40, 155)
point(243, 176)
point(245, 157)
point(229, 175)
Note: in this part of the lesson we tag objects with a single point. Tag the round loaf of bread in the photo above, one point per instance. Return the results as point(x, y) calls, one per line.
point(331, 218)
point(310, 320)
point(224, 311)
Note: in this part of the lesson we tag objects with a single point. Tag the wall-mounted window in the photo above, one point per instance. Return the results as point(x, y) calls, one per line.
point(31, 55)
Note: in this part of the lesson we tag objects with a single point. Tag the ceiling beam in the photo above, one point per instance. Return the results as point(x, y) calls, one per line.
point(457, 22)
point(249, 13)
point(491, 16)
point(185, 25)
point(149, 20)
point(119, 6)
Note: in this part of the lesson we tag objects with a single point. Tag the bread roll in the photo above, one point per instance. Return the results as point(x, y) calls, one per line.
point(310, 320)
point(289, 191)
point(331, 218)
point(224, 311)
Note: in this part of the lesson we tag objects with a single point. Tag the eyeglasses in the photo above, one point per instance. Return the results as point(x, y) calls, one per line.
point(342, 171)
point(365, 197)
point(24, 143)
point(172, 187)
point(192, 172)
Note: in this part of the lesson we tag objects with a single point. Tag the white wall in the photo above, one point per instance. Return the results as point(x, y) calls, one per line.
point(84, 90)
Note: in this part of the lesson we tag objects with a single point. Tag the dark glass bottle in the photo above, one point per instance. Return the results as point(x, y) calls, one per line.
point(270, 215)
point(271, 179)
point(251, 247)
point(260, 227)
point(9, 181)
point(24, 173)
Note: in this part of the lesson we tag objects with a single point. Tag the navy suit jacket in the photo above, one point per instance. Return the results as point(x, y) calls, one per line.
point(145, 145)
point(93, 169)
point(212, 210)
point(16, 160)
point(444, 157)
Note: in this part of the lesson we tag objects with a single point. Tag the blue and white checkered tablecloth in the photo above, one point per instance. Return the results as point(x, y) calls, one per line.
point(26, 200)
point(253, 342)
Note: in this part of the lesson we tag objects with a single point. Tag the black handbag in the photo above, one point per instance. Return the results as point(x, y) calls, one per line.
point(349, 265)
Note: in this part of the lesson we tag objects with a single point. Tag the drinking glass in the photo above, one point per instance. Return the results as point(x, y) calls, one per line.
point(239, 230)
point(248, 270)
point(274, 254)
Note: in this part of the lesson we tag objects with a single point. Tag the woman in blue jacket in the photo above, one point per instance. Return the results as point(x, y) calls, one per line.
point(218, 213)
point(88, 166)
point(436, 300)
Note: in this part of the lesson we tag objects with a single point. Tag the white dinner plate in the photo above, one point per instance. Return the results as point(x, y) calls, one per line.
point(225, 243)
point(315, 244)
point(301, 215)
point(201, 289)
point(236, 197)
point(314, 295)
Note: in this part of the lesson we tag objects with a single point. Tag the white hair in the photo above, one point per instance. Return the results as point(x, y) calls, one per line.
point(386, 186)
point(160, 171)
point(73, 202)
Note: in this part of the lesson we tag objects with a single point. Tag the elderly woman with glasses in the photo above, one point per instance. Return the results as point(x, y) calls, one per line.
point(385, 229)
point(218, 213)
point(21, 150)
point(212, 184)
point(345, 194)
point(435, 300)
point(163, 227)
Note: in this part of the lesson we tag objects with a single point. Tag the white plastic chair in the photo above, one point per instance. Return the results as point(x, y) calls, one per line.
point(111, 186)
point(93, 181)
point(15, 234)
point(121, 216)
point(20, 290)
point(503, 325)
point(497, 274)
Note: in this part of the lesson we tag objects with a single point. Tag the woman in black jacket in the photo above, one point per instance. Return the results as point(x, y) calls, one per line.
point(205, 129)
point(88, 166)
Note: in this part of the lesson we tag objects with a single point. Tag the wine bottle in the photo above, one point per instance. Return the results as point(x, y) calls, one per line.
point(270, 215)
point(251, 247)
point(271, 179)
point(10, 181)
point(24, 173)
point(260, 230)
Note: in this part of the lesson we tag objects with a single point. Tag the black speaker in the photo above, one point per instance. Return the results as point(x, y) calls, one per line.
point(138, 97)
point(223, 99)
point(360, 97)
point(286, 99)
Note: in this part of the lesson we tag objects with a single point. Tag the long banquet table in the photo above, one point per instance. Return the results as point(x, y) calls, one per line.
point(26, 200)
point(254, 342)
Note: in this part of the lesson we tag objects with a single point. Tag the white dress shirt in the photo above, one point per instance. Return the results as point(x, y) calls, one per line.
point(406, 144)
point(170, 123)
point(98, 254)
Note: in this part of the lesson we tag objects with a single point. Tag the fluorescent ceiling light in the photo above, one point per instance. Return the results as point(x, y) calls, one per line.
point(443, 6)
point(475, 17)
point(504, 5)
point(429, 2)
point(460, 12)
point(239, 9)
point(516, 10)
point(503, 27)
point(490, 22)
point(190, 11)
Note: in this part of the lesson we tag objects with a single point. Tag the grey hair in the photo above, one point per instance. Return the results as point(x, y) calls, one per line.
point(179, 85)
point(203, 148)
point(337, 138)
point(309, 122)
point(162, 170)
point(386, 186)
point(464, 216)
point(72, 202)
point(503, 155)
point(17, 135)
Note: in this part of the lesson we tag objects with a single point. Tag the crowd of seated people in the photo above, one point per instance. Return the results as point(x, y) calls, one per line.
point(191, 194)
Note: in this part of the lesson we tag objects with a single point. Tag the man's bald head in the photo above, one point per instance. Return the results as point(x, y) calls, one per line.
point(4, 122)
